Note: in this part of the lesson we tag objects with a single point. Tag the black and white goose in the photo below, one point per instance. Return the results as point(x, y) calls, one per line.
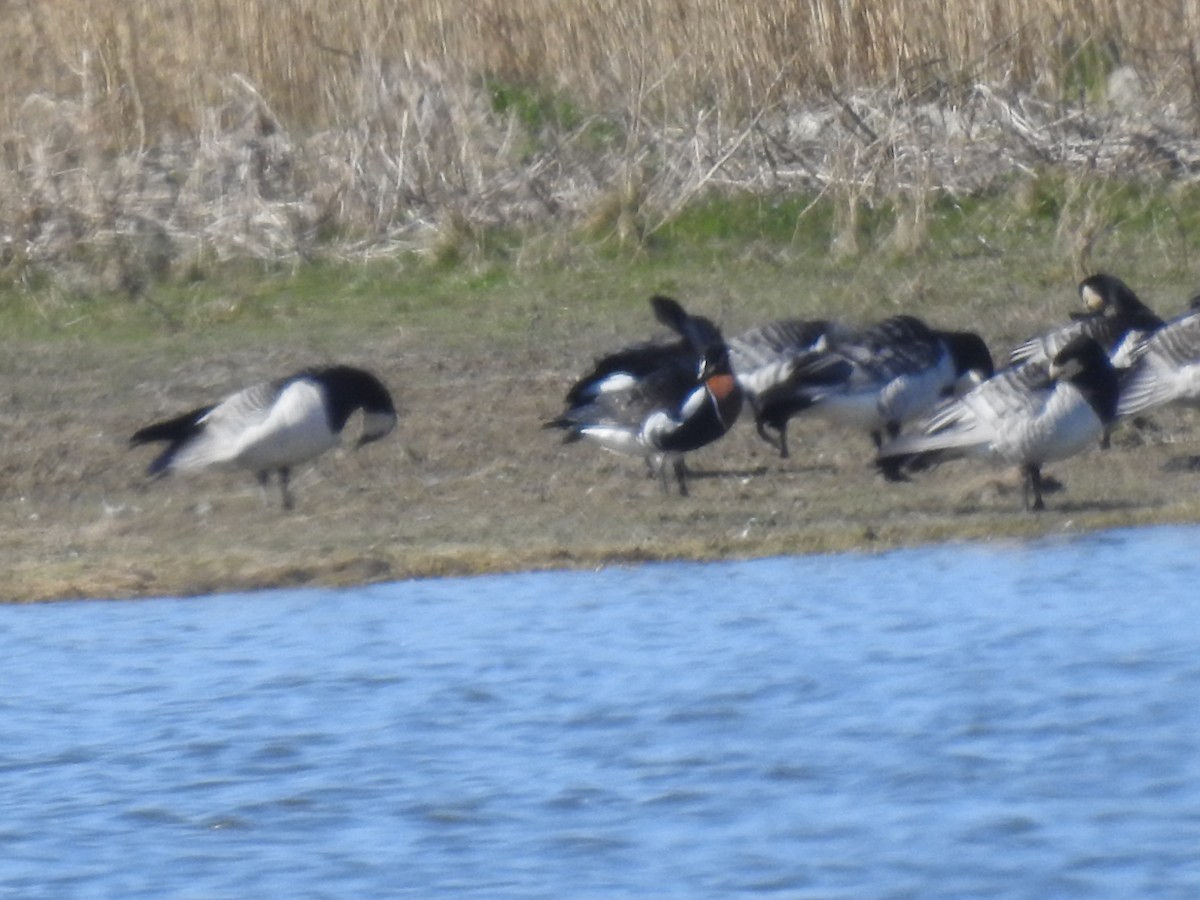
point(1166, 368)
point(641, 361)
point(273, 426)
point(762, 360)
point(1113, 315)
point(874, 379)
point(659, 413)
point(1026, 416)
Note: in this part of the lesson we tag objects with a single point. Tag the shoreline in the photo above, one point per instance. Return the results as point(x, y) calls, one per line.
point(242, 571)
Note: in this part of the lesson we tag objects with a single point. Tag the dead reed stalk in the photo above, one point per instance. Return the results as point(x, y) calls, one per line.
point(141, 138)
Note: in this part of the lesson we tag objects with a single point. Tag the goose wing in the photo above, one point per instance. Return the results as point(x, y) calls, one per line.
point(618, 371)
point(696, 331)
point(891, 371)
point(896, 346)
point(1166, 370)
point(1106, 330)
point(1115, 318)
point(238, 421)
point(649, 360)
point(762, 357)
point(983, 417)
point(625, 403)
point(782, 339)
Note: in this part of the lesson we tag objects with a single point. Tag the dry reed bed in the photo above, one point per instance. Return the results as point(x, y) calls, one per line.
point(141, 139)
point(151, 66)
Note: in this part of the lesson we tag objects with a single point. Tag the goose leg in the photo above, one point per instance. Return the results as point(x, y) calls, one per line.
point(1033, 485)
point(264, 481)
point(284, 475)
point(779, 441)
point(680, 475)
point(660, 469)
point(783, 444)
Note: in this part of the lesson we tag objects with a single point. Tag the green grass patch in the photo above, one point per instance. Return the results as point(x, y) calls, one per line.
point(740, 256)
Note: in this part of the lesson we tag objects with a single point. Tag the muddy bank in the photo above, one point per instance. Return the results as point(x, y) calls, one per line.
point(469, 482)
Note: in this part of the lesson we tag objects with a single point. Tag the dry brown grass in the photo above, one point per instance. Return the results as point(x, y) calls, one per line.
point(144, 140)
point(145, 68)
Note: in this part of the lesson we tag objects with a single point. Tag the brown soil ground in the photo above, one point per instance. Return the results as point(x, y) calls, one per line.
point(469, 482)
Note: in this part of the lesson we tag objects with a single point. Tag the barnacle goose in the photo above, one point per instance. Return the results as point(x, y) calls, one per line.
point(1166, 368)
point(875, 378)
point(273, 426)
point(1025, 415)
point(1113, 315)
point(762, 360)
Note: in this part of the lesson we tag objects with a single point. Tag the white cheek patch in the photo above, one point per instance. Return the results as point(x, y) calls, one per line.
point(1092, 301)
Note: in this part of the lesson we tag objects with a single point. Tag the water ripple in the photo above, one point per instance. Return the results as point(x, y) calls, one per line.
point(1010, 720)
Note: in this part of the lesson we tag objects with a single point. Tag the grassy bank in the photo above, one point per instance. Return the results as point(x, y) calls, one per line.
point(478, 350)
point(473, 199)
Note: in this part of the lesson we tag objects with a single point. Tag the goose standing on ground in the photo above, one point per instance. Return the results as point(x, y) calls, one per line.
point(874, 379)
point(1113, 315)
point(273, 426)
point(762, 360)
point(1025, 415)
point(659, 412)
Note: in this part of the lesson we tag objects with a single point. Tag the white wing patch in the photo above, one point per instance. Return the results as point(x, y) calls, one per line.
point(616, 383)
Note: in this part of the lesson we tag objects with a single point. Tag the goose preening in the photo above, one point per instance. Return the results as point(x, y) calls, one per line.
point(874, 379)
point(1113, 315)
point(762, 360)
point(274, 425)
point(650, 358)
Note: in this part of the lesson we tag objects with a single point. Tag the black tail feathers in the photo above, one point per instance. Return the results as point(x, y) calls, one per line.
point(177, 429)
point(176, 432)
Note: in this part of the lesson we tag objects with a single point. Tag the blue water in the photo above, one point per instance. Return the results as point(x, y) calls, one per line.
point(1018, 720)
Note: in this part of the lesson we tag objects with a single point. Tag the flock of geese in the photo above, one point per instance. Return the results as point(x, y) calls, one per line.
point(922, 395)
